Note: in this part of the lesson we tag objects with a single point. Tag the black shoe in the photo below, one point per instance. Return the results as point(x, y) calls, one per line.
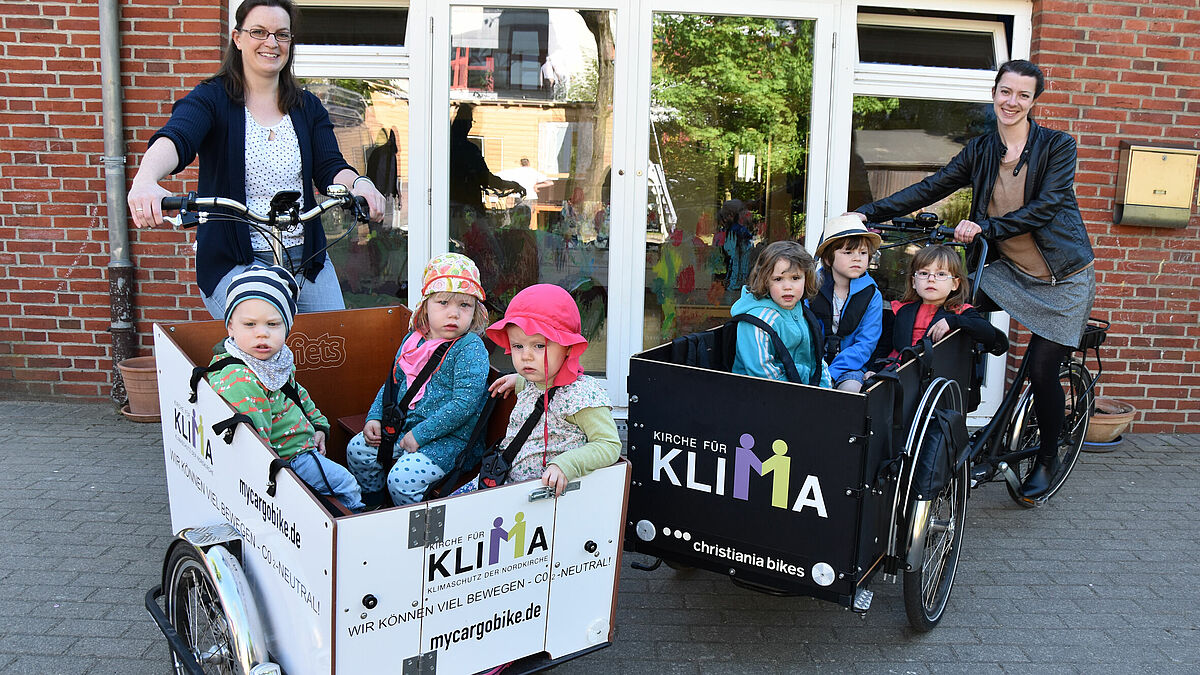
point(1037, 482)
point(377, 500)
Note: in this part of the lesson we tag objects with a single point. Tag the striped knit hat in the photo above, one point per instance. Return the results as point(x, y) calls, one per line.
point(273, 284)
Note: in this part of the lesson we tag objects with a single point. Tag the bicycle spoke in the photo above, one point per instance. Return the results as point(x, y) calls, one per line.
point(940, 534)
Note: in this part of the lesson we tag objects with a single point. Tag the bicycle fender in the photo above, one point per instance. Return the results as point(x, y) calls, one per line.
point(246, 627)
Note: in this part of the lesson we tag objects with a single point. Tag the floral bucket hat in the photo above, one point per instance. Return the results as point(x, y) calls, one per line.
point(452, 273)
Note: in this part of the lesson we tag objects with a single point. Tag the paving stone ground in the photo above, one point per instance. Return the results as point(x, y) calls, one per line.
point(1102, 580)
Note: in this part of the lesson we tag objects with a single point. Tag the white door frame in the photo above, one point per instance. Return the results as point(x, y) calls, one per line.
point(834, 85)
point(633, 227)
point(435, 123)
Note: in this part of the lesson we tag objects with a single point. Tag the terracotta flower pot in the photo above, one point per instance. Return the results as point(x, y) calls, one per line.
point(141, 384)
point(1111, 419)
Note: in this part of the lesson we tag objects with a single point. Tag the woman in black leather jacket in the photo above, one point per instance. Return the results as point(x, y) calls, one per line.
point(1023, 199)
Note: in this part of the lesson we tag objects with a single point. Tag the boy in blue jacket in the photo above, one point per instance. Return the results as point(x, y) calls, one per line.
point(782, 277)
point(848, 304)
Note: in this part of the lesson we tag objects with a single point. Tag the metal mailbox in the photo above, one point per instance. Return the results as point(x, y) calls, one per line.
point(1154, 185)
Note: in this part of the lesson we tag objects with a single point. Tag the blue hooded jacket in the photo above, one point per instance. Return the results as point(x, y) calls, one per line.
point(858, 346)
point(754, 352)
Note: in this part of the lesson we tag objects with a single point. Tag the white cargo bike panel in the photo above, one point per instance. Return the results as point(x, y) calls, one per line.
point(456, 585)
point(479, 588)
point(287, 540)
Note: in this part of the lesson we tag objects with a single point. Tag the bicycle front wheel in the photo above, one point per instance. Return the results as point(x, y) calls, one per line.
point(1025, 434)
point(940, 522)
point(196, 611)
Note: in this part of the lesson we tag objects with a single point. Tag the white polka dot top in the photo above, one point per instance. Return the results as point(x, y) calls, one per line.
point(272, 165)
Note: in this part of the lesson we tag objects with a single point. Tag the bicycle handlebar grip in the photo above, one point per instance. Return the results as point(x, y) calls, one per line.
point(946, 231)
point(184, 203)
point(361, 208)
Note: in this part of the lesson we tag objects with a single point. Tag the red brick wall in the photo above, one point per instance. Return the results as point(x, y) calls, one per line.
point(1131, 71)
point(1118, 70)
point(54, 303)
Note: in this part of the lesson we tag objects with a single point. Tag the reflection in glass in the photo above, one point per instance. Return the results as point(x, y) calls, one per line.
point(531, 153)
point(370, 121)
point(898, 142)
point(913, 46)
point(343, 25)
point(730, 117)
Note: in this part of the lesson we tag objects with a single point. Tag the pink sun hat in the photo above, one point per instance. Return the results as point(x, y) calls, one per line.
point(549, 310)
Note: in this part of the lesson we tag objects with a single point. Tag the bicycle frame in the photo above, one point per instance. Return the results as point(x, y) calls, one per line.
point(984, 439)
point(989, 446)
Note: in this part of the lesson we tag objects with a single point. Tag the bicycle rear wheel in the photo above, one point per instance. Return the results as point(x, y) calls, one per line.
point(1025, 434)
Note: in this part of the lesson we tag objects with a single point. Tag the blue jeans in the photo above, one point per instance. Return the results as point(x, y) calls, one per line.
point(315, 469)
point(322, 295)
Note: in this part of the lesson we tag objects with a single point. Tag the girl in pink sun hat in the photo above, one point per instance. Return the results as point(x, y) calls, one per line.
point(576, 435)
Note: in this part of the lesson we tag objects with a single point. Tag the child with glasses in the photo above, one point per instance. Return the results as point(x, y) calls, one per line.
point(934, 304)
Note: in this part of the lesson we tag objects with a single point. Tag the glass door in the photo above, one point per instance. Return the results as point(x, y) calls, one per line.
point(529, 127)
point(655, 144)
point(735, 113)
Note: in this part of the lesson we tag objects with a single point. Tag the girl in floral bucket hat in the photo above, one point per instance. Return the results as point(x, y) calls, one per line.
point(424, 413)
point(576, 434)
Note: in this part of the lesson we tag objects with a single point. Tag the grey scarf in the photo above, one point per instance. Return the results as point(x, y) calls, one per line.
point(274, 372)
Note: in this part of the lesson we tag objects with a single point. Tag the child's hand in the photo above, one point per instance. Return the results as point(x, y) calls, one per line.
point(504, 385)
point(409, 443)
point(373, 432)
point(938, 330)
point(554, 477)
point(319, 437)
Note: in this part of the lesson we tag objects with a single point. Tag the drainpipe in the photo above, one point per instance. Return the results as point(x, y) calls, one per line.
point(120, 268)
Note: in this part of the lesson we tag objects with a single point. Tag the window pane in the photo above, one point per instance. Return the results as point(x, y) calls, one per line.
point(370, 120)
point(556, 145)
point(911, 46)
point(898, 142)
point(730, 121)
point(352, 26)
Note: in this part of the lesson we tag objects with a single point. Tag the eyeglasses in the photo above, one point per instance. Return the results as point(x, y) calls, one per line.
point(263, 34)
point(940, 275)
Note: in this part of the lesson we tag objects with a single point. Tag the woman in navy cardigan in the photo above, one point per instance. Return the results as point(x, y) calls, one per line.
point(256, 132)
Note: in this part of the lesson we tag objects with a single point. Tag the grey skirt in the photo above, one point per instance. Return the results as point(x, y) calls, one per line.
point(1056, 312)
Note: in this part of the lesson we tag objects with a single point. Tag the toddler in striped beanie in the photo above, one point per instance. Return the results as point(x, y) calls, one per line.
point(254, 371)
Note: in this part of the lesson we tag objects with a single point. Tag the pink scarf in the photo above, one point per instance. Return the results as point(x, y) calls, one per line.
point(414, 354)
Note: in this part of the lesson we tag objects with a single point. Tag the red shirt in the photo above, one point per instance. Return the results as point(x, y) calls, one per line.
point(925, 315)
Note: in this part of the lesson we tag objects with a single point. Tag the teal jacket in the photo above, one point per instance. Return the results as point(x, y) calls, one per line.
point(755, 355)
point(445, 415)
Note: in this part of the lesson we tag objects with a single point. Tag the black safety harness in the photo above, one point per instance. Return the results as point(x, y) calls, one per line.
point(852, 314)
point(226, 427)
point(396, 412)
